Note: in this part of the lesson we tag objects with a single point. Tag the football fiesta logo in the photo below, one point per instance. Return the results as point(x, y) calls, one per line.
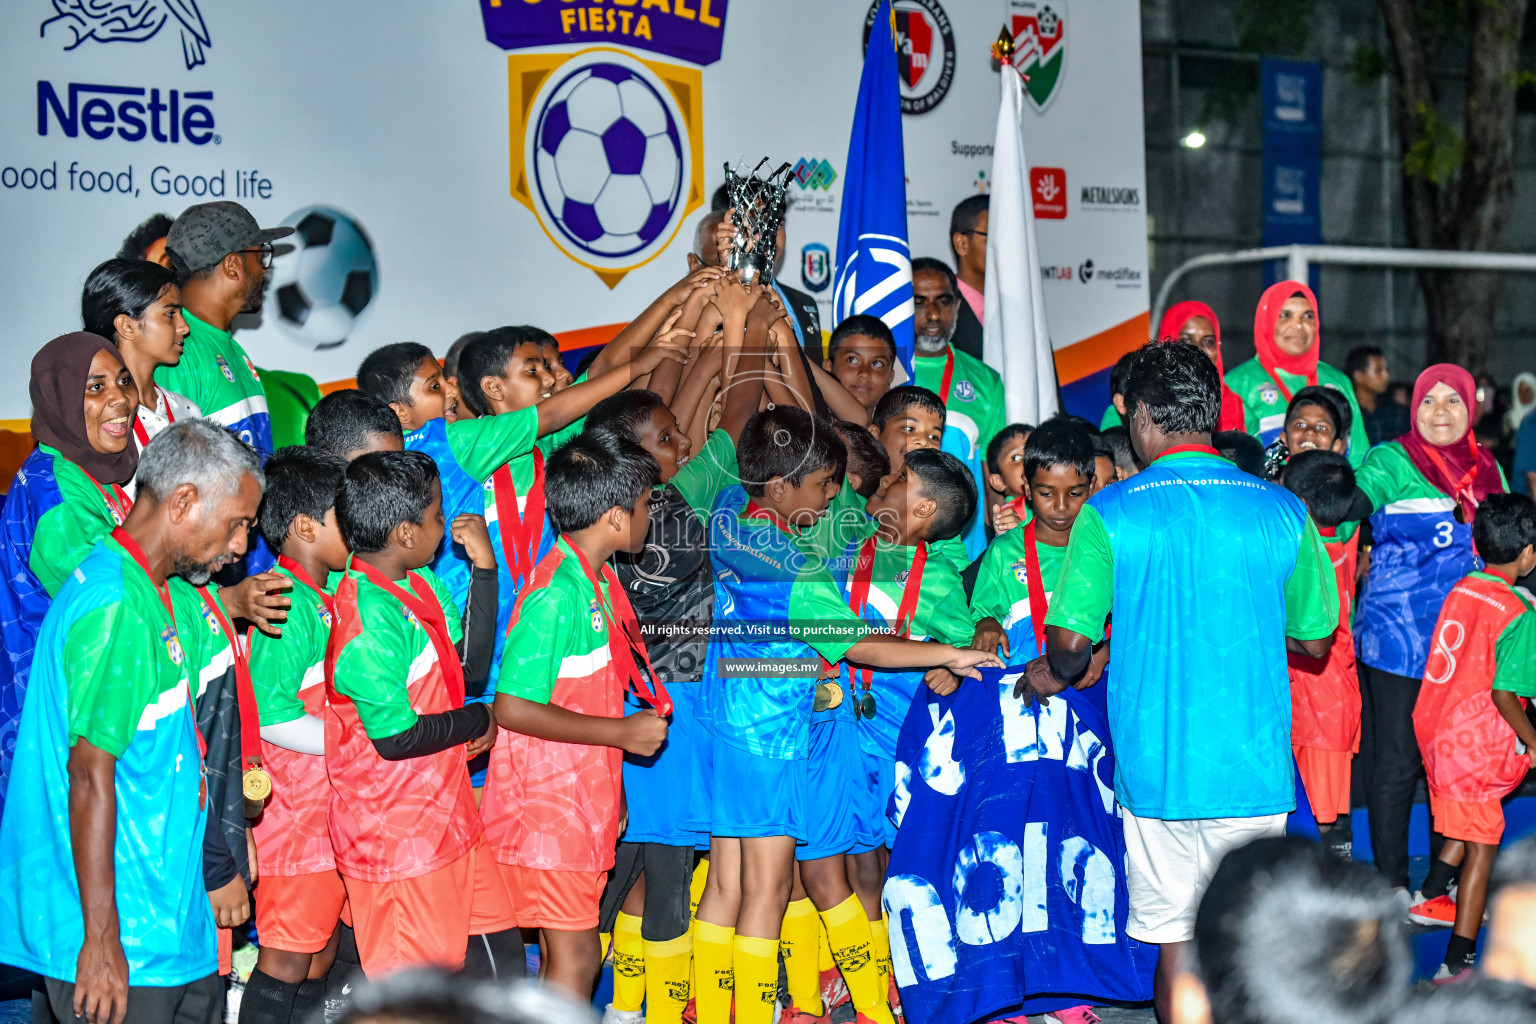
point(1039, 45)
point(607, 152)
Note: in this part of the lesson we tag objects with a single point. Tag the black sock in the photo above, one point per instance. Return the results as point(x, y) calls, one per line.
point(498, 955)
point(1439, 881)
point(309, 1003)
point(1460, 953)
point(266, 1000)
point(345, 972)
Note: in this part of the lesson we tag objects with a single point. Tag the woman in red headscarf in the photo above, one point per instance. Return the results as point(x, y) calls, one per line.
point(1426, 487)
point(1287, 341)
point(1196, 324)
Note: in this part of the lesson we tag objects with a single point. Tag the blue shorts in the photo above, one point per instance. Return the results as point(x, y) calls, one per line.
point(878, 775)
point(835, 789)
point(754, 796)
point(659, 789)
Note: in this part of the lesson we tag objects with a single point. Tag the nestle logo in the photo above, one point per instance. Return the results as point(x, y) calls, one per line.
point(172, 119)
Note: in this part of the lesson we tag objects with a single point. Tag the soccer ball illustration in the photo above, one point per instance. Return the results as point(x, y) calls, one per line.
point(325, 283)
point(608, 161)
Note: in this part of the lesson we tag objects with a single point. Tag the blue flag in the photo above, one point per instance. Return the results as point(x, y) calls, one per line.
point(874, 262)
point(1006, 890)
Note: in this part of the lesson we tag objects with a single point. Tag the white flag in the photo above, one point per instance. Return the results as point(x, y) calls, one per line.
point(1016, 341)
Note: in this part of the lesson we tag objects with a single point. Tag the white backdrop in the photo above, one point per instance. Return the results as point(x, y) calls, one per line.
point(397, 114)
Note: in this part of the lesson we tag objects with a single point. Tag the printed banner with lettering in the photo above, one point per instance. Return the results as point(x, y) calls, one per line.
point(1005, 890)
point(1293, 157)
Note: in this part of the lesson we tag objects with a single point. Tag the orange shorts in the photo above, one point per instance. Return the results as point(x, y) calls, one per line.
point(563, 901)
point(427, 920)
point(1480, 821)
point(298, 913)
point(1325, 776)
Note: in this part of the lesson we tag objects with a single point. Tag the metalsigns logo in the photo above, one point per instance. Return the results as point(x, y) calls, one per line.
point(1039, 45)
point(1048, 186)
point(813, 173)
point(607, 151)
point(815, 266)
point(122, 21)
point(925, 52)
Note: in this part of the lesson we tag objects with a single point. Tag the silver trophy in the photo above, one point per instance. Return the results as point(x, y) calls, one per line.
point(757, 210)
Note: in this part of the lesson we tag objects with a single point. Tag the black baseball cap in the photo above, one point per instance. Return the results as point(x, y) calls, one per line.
point(204, 234)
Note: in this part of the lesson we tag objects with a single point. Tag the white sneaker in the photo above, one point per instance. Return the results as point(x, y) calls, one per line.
point(613, 1016)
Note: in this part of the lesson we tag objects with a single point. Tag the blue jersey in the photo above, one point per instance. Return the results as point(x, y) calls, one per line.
point(1207, 570)
point(1420, 553)
point(461, 493)
point(110, 669)
point(774, 599)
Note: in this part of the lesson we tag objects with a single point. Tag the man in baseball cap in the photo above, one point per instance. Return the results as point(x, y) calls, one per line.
point(221, 257)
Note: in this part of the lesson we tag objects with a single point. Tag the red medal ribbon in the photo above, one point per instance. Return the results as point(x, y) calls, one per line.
point(163, 591)
point(1038, 605)
point(1019, 505)
point(858, 595)
point(298, 572)
point(170, 417)
point(623, 653)
point(422, 602)
point(250, 738)
point(520, 531)
point(1179, 449)
point(1464, 485)
point(118, 504)
point(949, 373)
point(756, 511)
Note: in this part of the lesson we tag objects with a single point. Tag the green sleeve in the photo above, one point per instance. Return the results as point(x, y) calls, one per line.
point(1514, 656)
point(1312, 591)
point(372, 672)
point(444, 598)
point(1111, 417)
point(279, 663)
point(110, 661)
point(65, 534)
point(1380, 476)
point(549, 442)
point(1085, 591)
point(484, 445)
point(990, 595)
point(952, 551)
point(709, 472)
point(537, 642)
point(948, 618)
point(820, 617)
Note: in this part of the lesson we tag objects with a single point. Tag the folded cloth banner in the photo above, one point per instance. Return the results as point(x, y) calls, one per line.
point(1006, 888)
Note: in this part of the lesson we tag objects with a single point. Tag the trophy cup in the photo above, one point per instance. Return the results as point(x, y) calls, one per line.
point(757, 210)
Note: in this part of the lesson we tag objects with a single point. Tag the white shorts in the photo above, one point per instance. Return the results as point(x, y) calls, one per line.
point(1169, 864)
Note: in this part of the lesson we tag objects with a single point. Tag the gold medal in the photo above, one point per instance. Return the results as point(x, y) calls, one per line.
point(256, 784)
point(828, 695)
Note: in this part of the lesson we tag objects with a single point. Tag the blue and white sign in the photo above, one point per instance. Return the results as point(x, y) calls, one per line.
point(1006, 887)
point(1293, 156)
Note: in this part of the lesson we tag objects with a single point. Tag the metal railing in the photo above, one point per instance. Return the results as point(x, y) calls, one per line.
point(1299, 259)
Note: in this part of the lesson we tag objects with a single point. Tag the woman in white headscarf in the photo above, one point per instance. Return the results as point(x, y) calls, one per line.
point(1523, 401)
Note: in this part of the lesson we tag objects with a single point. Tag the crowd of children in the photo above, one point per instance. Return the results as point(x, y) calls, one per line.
point(573, 658)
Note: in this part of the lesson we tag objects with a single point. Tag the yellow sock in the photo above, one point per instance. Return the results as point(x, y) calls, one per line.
point(603, 939)
point(798, 939)
point(757, 979)
point(696, 886)
point(712, 971)
point(880, 932)
point(666, 979)
point(823, 950)
point(848, 932)
point(628, 963)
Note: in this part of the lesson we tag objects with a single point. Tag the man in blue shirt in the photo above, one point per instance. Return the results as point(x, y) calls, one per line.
point(101, 848)
point(1212, 576)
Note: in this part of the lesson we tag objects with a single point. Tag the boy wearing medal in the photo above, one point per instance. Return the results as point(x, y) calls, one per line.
point(777, 603)
point(300, 895)
point(402, 819)
point(101, 847)
point(554, 797)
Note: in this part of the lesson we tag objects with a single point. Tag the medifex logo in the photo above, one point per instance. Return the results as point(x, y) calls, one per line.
point(124, 21)
point(925, 52)
point(132, 113)
point(812, 173)
point(1048, 186)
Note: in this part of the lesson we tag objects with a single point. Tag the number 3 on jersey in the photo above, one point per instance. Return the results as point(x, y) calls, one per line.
point(1443, 533)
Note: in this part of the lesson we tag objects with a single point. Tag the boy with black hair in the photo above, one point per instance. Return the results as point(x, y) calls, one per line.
point(408, 842)
point(1119, 439)
point(905, 418)
point(1241, 449)
point(861, 354)
point(1104, 470)
point(349, 422)
point(300, 895)
point(789, 464)
point(1005, 459)
point(1325, 692)
point(868, 461)
point(554, 797)
point(1470, 718)
point(1286, 932)
point(455, 409)
point(892, 581)
point(1114, 413)
point(1317, 419)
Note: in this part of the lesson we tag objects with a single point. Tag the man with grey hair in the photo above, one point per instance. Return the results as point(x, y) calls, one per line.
point(101, 847)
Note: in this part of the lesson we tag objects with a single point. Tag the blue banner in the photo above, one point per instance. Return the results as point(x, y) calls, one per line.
point(1006, 891)
point(874, 262)
point(1292, 93)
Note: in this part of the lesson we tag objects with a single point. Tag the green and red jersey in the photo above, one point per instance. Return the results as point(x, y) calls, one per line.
point(1003, 585)
point(1325, 692)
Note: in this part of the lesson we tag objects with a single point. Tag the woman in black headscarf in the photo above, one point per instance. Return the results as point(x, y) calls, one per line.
point(66, 497)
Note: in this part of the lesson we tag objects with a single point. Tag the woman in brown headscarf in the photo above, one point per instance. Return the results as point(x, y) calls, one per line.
point(66, 497)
